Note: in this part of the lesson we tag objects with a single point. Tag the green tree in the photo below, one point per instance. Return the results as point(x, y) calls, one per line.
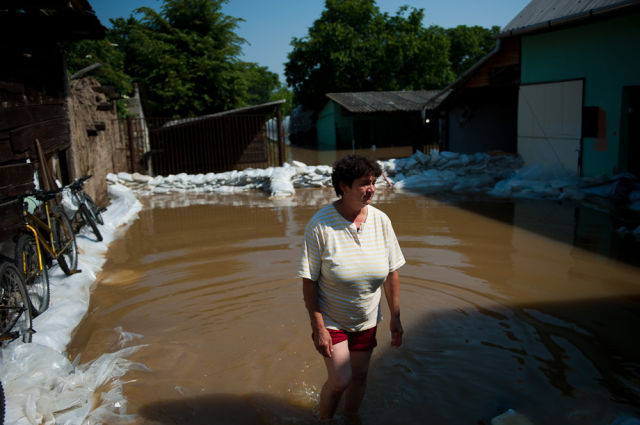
point(111, 72)
point(283, 92)
point(355, 47)
point(469, 45)
point(262, 86)
point(415, 57)
point(259, 82)
point(185, 57)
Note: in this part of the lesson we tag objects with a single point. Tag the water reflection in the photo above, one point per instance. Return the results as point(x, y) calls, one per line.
point(497, 315)
point(576, 225)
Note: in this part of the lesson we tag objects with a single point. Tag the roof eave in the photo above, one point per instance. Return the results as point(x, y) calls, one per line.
point(444, 93)
point(245, 109)
point(576, 18)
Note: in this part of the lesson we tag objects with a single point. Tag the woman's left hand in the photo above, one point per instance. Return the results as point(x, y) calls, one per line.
point(396, 331)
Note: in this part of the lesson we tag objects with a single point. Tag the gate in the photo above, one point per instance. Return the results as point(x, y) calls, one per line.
point(231, 140)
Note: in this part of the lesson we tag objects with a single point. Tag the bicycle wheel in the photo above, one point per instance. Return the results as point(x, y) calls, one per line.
point(13, 297)
point(77, 221)
point(36, 281)
point(65, 242)
point(93, 208)
point(87, 217)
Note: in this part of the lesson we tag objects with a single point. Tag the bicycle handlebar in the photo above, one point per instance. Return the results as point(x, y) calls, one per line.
point(78, 183)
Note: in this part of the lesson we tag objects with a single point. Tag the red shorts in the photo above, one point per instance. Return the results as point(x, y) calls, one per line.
point(358, 341)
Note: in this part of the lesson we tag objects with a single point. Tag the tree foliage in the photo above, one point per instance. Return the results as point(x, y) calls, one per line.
point(469, 45)
point(283, 93)
point(185, 58)
point(355, 47)
point(259, 83)
point(84, 53)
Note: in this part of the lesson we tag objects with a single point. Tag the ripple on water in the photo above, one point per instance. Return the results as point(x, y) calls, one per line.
point(497, 314)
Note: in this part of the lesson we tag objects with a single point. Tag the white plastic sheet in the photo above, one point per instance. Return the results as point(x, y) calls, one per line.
point(41, 385)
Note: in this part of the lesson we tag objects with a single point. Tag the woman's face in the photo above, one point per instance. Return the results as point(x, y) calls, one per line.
point(360, 192)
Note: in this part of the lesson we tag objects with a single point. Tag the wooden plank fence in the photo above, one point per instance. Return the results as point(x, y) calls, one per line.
point(211, 144)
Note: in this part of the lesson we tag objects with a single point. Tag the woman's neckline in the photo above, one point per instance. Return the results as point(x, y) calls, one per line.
point(354, 222)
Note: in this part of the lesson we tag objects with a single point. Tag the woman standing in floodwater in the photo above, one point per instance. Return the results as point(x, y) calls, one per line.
point(349, 252)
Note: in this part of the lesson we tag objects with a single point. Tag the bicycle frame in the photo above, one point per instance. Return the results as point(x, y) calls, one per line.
point(37, 227)
point(78, 200)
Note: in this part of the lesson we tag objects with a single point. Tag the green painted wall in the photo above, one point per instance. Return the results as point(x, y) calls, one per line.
point(333, 128)
point(606, 55)
point(326, 128)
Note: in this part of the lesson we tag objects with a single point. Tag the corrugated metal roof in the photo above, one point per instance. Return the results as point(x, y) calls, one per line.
point(255, 109)
point(436, 100)
point(544, 13)
point(383, 101)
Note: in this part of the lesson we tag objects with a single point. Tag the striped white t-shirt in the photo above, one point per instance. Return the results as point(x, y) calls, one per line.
point(349, 266)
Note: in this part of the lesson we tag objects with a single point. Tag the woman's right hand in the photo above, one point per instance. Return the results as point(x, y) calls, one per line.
point(322, 341)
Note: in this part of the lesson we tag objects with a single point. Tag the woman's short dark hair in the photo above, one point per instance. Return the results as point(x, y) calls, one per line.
point(352, 167)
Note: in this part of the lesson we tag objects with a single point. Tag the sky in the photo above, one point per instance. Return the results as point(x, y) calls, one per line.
point(269, 25)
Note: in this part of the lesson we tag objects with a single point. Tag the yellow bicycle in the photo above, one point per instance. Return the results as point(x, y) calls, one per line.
point(44, 238)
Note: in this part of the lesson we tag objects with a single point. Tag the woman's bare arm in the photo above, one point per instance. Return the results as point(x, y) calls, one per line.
point(392, 292)
point(321, 337)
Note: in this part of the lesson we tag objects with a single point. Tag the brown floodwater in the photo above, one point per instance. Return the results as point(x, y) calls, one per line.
point(527, 305)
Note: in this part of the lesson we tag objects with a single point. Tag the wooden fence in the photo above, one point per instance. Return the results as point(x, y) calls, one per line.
point(202, 145)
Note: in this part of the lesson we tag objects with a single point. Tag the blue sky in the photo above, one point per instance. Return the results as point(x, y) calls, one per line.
point(269, 25)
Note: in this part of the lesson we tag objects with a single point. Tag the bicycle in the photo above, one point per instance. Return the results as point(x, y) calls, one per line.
point(54, 234)
point(14, 303)
point(87, 211)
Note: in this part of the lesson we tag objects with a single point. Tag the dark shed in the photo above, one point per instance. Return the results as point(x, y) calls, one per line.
point(359, 120)
point(223, 141)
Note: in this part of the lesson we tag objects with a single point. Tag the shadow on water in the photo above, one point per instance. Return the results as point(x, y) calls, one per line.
point(223, 409)
point(556, 363)
point(588, 227)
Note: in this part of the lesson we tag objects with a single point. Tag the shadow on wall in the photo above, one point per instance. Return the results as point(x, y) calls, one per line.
point(557, 363)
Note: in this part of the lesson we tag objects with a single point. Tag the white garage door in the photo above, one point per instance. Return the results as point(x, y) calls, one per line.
point(549, 125)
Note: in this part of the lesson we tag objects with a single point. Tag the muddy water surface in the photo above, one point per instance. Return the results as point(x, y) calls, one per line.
point(501, 310)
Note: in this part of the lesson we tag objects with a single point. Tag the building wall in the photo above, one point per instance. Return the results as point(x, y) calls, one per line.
point(339, 130)
point(391, 129)
point(94, 150)
point(483, 120)
point(32, 107)
point(605, 55)
point(316, 157)
point(326, 126)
